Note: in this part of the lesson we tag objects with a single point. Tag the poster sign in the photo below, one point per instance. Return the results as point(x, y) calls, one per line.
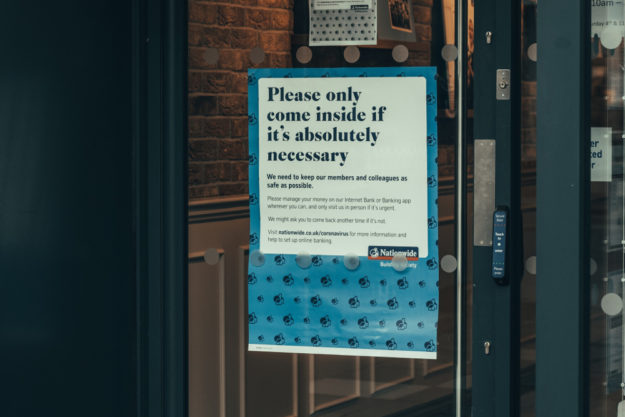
point(601, 154)
point(344, 222)
point(341, 4)
point(335, 23)
point(608, 22)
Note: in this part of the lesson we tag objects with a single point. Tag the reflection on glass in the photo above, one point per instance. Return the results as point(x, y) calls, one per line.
point(528, 206)
point(225, 39)
point(607, 240)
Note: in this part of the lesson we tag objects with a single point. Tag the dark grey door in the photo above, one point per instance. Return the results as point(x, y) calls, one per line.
point(79, 308)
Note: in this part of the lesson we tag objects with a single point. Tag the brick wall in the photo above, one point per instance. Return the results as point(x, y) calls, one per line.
point(218, 90)
point(420, 52)
point(528, 125)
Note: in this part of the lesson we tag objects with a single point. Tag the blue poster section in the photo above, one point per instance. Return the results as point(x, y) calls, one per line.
point(327, 308)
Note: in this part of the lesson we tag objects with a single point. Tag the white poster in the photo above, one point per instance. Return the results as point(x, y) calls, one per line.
point(353, 23)
point(343, 248)
point(343, 164)
point(608, 22)
point(601, 154)
point(341, 4)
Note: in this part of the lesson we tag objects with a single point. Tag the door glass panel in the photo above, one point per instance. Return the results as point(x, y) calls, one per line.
point(225, 39)
point(528, 206)
point(607, 266)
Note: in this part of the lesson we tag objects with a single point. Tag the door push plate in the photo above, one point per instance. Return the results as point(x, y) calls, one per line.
point(503, 84)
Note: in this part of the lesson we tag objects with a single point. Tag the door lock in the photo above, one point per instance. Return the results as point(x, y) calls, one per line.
point(503, 84)
point(487, 348)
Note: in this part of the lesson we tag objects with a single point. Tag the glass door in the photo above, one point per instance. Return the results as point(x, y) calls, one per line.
point(607, 227)
point(225, 40)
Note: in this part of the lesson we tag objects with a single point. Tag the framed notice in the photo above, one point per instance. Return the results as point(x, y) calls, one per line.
point(343, 211)
point(401, 17)
point(332, 26)
point(340, 4)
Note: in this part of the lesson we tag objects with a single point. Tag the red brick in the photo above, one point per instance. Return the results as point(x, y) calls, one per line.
point(230, 16)
point(233, 149)
point(233, 189)
point(244, 2)
point(196, 174)
point(236, 60)
point(233, 105)
point(528, 136)
point(216, 127)
point(204, 191)
point(194, 34)
point(284, 4)
point(442, 156)
point(528, 119)
point(219, 171)
point(239, 127)
point(202, 13)
point(243, 38)
point(281, 19)
point(529, 152)
point(528, 104)
point(240, 171)
point(423, 14)
point(197, 59)
point(528, 88)
point(202, 105)
point(424, 32)
point(195, 127)
point(280, 60)
point(420, 46)
point(258, 19)
point(195, 81)
point(275, 41)
point(419, 58)
point(202, 150)
point(215, 82)
point(211, 36)
point(238, 83)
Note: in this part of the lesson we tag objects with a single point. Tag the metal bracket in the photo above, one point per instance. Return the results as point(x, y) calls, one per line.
point(483, 191)
point(503, 84)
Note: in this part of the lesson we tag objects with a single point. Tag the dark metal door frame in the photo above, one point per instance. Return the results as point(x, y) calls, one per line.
point(562, 283)
point(159, 98)
point(563, 220)
point(496, 308)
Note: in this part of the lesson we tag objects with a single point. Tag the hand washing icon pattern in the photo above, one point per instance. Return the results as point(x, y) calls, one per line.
point(330, 306)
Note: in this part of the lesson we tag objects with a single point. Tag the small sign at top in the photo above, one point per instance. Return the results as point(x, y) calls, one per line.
point(341, 4)
point(601, 154)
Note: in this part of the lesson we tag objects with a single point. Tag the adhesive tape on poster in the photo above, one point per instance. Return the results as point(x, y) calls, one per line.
point(611, 37)
point(303, 260)
point(257, 258)
point(399, 262)
point(351, 261)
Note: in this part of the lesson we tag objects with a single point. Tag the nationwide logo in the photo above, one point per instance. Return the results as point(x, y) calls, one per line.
point(384, 253)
